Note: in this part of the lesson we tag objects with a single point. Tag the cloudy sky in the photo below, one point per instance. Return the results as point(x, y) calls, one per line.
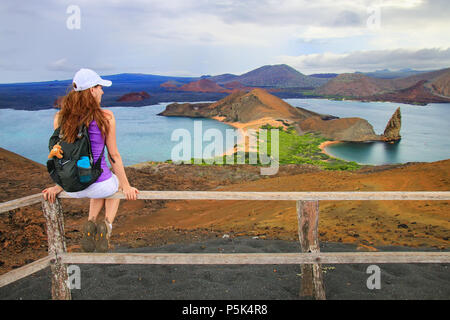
point(52, 39)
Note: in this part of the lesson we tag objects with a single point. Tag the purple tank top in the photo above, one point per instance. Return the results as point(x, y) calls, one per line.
point(97, 144)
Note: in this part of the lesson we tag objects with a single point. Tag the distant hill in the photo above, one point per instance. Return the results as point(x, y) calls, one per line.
point(274, 76)
point(223, 78)
point(356, 85)
point(324, 75)
point(441, 84)
point(390, 74)
point(428, 76)
point(42, 95)
point(203, 85)
point(236, 85)
point(416, 94)
point(281, 80)
point(207, 85)
point(171, 84)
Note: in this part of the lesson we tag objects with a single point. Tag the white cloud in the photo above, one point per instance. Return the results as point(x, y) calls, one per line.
point(424, 59)
point(60, 65)
point(233, 35)
point(63, 65)
point(409, 24)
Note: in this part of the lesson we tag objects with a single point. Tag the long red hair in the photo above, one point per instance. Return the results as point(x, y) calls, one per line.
point(77, 108)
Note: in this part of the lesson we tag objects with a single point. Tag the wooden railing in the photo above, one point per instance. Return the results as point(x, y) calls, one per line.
point(310, 258)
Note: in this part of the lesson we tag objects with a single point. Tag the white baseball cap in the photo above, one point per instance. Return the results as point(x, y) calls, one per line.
point(87, 78)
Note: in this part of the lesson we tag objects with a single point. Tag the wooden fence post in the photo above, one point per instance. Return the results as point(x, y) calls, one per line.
point(308, 220)
point(56, 245)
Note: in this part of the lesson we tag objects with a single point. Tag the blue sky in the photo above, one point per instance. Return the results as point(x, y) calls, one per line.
point(197, 37)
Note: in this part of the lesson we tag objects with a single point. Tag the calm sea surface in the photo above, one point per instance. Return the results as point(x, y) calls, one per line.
point(141, 134)
point(425, 130)
point(144, 136)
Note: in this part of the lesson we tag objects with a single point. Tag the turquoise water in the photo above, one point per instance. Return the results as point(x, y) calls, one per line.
point(425, 130)
point(141, 134)
point(144, 136)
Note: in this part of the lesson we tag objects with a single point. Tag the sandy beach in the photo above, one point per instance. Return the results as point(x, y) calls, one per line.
point(242, 130)
point(243, 143)
point(240, 144)
point(243, 140)
point(325, 144)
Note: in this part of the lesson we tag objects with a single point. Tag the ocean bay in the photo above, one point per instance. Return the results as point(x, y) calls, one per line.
point(425, 130)
point(144, 136)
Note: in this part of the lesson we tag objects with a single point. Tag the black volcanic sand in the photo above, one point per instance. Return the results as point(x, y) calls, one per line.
point(266, 282)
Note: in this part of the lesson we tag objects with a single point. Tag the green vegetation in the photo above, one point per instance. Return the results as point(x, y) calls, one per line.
point(309, 93)
point(336, 97)
point(300, 149)
point(293, 149)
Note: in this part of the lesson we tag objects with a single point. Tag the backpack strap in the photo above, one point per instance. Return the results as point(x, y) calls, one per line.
point(99, 160)
point(80, 131)
point(84, 131)
point(97, 164)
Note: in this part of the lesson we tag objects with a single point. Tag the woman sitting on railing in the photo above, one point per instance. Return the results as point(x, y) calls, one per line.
point(82, 105)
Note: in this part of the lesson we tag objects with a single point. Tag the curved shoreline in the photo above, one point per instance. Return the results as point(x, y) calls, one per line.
point(242, 132)
point(327, 143)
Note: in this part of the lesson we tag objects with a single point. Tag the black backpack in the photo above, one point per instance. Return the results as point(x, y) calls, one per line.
point(65, 171)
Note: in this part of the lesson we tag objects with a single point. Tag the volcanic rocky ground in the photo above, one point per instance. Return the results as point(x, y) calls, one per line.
point(155, 222)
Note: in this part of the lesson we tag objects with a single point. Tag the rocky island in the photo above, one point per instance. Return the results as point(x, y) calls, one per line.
point(255, 108)
point(392, 131)
point(134, 96)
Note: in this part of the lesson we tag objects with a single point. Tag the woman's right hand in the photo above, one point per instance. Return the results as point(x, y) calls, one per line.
point(130, 192)
point(50, 193)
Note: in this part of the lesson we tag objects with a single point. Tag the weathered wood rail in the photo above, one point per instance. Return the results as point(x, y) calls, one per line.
point(310, 258)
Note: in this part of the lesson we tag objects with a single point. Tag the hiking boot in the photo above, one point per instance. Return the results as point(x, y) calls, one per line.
point(88, 240)
point(102, 237)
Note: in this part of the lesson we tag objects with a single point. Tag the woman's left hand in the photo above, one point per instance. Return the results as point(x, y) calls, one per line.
point(130, 192)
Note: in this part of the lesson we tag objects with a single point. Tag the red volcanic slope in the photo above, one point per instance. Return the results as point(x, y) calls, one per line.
point(237, 86)
point(418, 93)
point(359, 85)
point(203, 85)
point(170, 84)
point(134, 96)
point(233, 85)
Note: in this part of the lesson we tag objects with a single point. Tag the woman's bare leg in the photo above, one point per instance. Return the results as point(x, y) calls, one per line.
point(111, 207)
point(95, 206)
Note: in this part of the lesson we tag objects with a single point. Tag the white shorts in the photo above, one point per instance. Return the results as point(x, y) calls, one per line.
point(98, 190)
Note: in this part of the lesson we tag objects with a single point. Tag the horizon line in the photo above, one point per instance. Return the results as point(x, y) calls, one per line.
point(208, 75)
